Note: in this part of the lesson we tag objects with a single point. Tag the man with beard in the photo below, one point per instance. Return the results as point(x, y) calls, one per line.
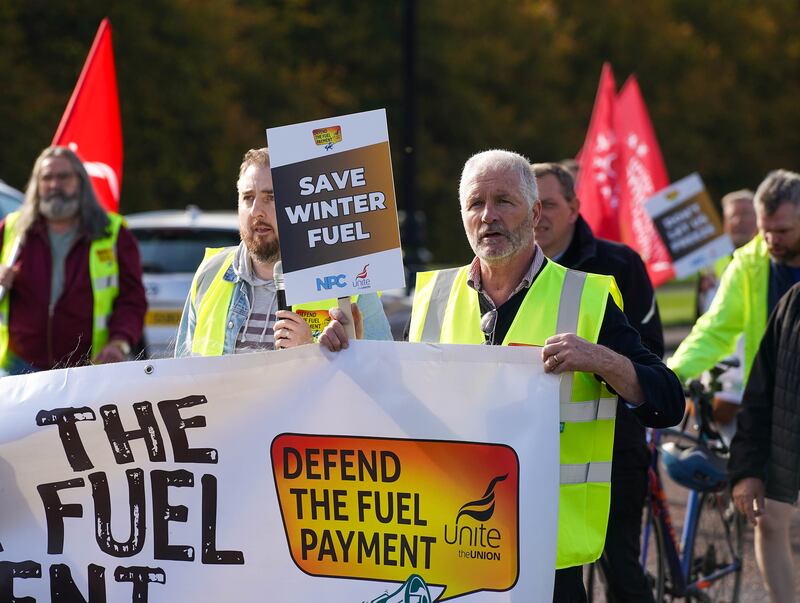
point(760, 273)
point(71, 274)
point(232, 307)
point(512, 294)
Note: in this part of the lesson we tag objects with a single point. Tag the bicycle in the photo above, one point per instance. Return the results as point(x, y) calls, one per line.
point(706, 564)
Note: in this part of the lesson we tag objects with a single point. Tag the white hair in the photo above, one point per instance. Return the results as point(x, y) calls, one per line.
point(496, 160)
point(744, 194)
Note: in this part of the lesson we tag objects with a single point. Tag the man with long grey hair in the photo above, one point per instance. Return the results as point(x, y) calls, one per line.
point(70, 274)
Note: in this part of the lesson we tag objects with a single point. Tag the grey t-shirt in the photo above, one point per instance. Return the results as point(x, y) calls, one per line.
point(60, 244)
point(258, 330)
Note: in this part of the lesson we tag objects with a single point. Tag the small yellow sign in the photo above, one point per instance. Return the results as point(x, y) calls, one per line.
point(162, 318)
point(325, 136)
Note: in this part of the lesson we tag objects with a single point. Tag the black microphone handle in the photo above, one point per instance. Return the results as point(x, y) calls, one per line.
point(282, 305)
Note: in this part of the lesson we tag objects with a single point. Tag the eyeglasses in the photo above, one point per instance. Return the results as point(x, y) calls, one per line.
point(488, 323)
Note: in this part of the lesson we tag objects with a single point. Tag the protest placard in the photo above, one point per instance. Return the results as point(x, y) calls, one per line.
point(240, 478)
point(335, 205)
point(689, 225)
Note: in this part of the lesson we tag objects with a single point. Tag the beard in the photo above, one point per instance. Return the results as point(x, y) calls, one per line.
point(516, 239)
point(59, 207)
point(262, 249)
point(787, 255)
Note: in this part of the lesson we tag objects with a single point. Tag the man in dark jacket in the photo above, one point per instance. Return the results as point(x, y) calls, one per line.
point(71, 274)
point(765, 453)
point(567, 239)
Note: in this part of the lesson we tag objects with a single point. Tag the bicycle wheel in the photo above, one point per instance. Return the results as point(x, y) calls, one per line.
point(718, 543)
point(654, 562)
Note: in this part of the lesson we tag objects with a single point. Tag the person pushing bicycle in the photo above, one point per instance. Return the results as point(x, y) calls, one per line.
point(760, 273)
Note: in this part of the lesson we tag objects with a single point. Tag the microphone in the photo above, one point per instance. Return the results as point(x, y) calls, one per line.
point(280, 285)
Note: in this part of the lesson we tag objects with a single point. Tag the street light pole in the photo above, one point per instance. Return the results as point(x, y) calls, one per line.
point(411, 228)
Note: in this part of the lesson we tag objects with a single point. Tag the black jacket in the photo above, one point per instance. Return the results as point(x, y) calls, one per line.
point(590, 254)
point(767, 441)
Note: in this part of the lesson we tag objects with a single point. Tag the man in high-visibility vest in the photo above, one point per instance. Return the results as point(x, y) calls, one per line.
point(566, 238)
point(70, 273)
point(232, 307)
point(761, 272)
point(512, 294)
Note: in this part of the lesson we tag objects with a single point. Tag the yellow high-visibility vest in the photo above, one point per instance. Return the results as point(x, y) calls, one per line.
point(447, 310)
point(211, 296)
point(103, 272)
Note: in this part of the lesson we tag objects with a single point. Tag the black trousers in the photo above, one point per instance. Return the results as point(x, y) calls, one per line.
point(620, 559)
point(569, 586)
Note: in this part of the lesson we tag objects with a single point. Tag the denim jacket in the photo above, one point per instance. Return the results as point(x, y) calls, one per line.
point(376, 325)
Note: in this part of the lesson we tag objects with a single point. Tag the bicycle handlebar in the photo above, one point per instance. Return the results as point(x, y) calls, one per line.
point(703, 396)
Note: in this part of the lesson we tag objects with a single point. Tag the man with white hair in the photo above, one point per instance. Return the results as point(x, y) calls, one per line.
point(74, 291)
point(512, 294)
point(739, 223)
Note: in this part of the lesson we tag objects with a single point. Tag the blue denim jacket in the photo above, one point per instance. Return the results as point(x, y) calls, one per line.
point(376, 326)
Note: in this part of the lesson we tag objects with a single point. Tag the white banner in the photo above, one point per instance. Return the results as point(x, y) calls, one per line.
point(387, 472)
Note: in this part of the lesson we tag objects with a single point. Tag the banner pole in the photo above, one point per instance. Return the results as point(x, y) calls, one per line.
point(350, 327)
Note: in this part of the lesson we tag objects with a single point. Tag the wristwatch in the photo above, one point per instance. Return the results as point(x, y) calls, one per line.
point(122, 345)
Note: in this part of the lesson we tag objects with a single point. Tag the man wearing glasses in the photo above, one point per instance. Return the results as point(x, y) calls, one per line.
point(70, 274)
point(512, 294)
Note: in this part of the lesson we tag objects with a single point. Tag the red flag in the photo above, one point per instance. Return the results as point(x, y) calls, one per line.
point(91, 125)
point(642, 173)
point(597, 175)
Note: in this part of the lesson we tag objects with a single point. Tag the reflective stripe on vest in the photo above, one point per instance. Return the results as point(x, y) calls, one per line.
point(585, 472)
point(211, 296)
point(103, 273)
point(447, 310)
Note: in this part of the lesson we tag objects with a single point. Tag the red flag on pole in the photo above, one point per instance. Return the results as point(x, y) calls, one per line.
point(598, 163)
point(91, 124)
point(642, 173)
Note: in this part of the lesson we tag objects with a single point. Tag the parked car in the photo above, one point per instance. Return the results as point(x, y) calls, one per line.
point(172, 244)
point(10, 199)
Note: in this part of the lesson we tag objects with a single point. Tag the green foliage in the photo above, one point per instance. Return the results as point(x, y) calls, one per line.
point(200, 81)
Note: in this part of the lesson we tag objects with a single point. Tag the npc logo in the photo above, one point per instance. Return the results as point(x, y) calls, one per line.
point(331, 281)
point(327, 137)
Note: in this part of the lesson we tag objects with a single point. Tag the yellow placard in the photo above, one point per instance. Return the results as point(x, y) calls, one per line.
point(326, 136)
point(162, 318)
point(444, 513)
